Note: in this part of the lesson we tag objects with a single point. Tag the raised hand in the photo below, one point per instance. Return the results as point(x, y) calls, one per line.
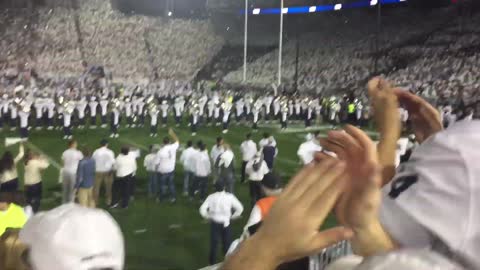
point(359, 204)
point(292, 228)
point(424, 117)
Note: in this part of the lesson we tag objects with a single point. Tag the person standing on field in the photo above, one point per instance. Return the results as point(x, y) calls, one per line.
point(104, 160)
point(86, 179)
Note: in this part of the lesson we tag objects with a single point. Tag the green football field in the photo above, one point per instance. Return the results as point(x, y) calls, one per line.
point(176, 236)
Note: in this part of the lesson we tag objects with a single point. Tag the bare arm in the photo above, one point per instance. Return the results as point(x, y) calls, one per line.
point(173, 135)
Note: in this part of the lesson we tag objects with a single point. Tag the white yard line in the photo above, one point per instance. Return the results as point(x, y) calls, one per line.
point(55, 164)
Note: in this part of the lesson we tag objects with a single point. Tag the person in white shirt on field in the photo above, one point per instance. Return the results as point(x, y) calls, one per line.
point(256, 169)
point(267, 139)
point(202, 168)
point(149, 164)
point(165, 162)
point(125, 167)
point(220, 208)
point(248, 148)
point(34, 166)
point(70, 159)
point(226, 168)
point(104, 161)
point(307, 150)
point(217, 150)
point(187, 159)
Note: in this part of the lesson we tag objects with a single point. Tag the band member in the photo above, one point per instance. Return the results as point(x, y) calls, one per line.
point(50, 107)
point(67, 121)
point(239, 107)
point(81, 107)
point(164, 109)
point(39, 105)
point(153, 121)
point(128, 112)
point(104, 110)
point(210, 108)
point(93, 104)
point(115, 121)
point(194, 119)
point(24, 114)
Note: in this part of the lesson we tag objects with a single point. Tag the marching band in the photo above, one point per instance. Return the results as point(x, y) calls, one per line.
point(74, 108)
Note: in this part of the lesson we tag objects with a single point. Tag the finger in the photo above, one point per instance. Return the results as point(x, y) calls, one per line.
point(334, 147)
point(325, 178)
point(315, 175)
point(373, 86)
point(411, 102)
point(351, 146)
point(298, 178)
point(320, 156)
point(326, 201)
point(362, 138)
point(328, 238)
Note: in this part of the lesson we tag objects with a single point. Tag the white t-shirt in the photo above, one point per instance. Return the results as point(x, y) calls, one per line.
point(166, 158)
point(202, 165)
point(264, 142)
point(307, 150)
point(216, 152)
point(219, 206)
point(260, 173)
point(187, 159)
point(70, 159)
point(149, 162)
point(248, 149)
point(104, 159)
point(125, 165)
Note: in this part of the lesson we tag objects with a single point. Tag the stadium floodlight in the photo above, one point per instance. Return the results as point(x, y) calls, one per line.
point(256, 11)
point(312, 9)
point(337, 7)
point(373, 2)
point(284, 10)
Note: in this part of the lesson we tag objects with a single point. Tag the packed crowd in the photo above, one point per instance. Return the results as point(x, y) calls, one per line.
point(132, 48)
point(420, 54)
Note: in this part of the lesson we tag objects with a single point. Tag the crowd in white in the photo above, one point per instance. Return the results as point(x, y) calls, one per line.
point(132, 47)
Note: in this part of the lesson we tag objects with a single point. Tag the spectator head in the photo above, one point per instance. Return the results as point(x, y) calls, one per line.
point(86, 152)
point(200, 143)
point(6, 198)
point(125, 150)
point(7, 162)
point(73, 237)
point(72, 144)
point(248, 136)
point(266, 135)
point(219, 141)
point(219, 186)
point(104, 143)
point(189, 143)
point(316, 134)
point(166, 140)
point(271, 185)
point(202, 147)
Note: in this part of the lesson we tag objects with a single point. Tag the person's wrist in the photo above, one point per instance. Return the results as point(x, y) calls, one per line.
point(371, 239)
point(266, 249)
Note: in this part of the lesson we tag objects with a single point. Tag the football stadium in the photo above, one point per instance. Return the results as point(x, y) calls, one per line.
point(254, 134)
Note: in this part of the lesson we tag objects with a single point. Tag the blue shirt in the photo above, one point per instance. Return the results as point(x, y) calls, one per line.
point(85, 173)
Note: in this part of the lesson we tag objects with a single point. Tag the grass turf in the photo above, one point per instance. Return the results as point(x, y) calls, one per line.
point(176, 237)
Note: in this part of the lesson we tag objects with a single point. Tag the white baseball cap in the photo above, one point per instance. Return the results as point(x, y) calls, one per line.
point(433, 200)
point(74, 237)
